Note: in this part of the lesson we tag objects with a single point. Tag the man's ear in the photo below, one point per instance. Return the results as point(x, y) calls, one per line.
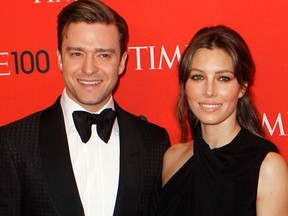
point(122, 63)
point(243, 89)
point(59, 59)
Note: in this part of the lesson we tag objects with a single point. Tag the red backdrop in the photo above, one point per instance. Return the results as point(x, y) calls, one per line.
point(159, 30)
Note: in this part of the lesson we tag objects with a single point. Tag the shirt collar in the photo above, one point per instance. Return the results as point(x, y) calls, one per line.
point(69, 106)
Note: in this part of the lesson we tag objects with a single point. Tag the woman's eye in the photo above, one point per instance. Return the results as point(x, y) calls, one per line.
point(196, 77)
point(224, 78)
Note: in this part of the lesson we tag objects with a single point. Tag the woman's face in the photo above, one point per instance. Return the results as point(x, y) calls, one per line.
point(212, 89)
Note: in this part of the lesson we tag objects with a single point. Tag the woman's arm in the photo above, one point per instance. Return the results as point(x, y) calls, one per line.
point(272, 197)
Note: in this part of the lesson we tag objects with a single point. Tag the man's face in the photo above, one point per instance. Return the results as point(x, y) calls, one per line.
point(91, 62)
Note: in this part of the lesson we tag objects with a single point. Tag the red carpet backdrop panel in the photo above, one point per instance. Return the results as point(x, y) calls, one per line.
point(159, 31)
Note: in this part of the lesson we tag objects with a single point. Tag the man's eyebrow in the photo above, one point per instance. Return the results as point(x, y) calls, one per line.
point(105, 50)
point(96, 50)
point(74, 48)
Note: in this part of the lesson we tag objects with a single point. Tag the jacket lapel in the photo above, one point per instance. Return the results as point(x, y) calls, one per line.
point(57, 166)
point(131, 157)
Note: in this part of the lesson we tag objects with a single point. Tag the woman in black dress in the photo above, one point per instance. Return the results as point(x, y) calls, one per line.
point(228, 168)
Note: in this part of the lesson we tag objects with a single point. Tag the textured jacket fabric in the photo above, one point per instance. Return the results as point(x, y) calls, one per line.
point(36, 175)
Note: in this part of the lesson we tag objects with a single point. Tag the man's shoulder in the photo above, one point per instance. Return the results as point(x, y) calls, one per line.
point(149, 131)
point(24, 120)
point(140, 120)
point(27, 123)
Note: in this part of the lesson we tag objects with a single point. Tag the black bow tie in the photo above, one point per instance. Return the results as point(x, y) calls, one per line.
point(84, 120)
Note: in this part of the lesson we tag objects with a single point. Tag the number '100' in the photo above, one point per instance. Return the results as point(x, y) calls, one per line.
point(27, 62)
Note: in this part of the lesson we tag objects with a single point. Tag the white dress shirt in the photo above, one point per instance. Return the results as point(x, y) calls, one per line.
point(95, 164)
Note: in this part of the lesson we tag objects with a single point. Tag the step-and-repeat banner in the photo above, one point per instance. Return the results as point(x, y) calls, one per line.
point(159, 31)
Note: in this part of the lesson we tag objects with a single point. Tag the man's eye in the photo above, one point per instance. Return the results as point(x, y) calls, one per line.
point(104, 55)
point(76, 54)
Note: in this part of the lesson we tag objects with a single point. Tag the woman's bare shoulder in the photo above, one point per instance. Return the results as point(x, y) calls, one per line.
point(272, 195)
point(175, 157)
point(178, 149)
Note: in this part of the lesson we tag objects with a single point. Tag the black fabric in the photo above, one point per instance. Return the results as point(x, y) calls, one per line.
point(36, 175)
point(217, 182)
point(104, 121)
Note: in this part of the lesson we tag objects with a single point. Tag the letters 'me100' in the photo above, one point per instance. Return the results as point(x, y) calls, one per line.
point(24, 62)
point(4, 69)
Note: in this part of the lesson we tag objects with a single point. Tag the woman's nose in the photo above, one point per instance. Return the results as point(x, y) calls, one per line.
point(210, 88)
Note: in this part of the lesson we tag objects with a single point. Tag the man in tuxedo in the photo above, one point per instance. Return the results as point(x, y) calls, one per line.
point(84, 155)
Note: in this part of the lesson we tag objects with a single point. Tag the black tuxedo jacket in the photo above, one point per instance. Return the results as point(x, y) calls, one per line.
point(36, 175)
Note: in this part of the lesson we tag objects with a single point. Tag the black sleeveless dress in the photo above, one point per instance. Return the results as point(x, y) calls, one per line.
point(217, 182)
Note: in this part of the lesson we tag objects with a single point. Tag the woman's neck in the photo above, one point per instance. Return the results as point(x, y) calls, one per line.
point(217, 136)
